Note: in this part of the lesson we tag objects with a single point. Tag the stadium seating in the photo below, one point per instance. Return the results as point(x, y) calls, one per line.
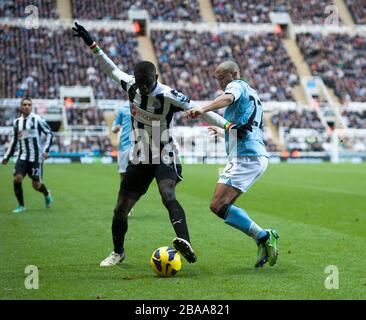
point(355, 119)
point(16, 9)
point(38, 62)
point(159, 10)
point(358, 10)
point(186, 64)
point(252, 11)
point(340, 60)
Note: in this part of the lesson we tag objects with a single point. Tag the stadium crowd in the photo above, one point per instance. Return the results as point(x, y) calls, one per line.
point(355, 119)
point(357, 9)
point(7, 116)
point(252, 11)
point(47, 9)
point(159, 10)
point(37, 62)
point(340, 60)
point(81, 146)
point(305, 119)
point(187, 65)
point(85, 116)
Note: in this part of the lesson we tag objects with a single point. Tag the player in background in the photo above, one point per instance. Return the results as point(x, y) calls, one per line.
point(122, 124)
point(247, 157)
point(27, 131)
point(153, 105)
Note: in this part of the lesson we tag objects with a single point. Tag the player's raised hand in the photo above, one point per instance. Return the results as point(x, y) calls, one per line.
point(81, 32)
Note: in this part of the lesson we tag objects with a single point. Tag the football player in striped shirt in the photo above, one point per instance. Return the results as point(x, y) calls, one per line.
point(27, 131)
point(154, 151)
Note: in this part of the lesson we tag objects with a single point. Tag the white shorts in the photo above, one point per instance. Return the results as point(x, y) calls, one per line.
point(242, 172)
point(123, 157)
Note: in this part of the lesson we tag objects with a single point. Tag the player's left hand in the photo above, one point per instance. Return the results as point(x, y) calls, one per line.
point(82, 33)
point(44, 155)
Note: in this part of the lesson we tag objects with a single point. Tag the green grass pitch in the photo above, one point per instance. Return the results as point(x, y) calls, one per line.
point(319, 211)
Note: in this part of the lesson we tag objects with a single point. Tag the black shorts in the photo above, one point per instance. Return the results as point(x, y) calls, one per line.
point(33, 169)
point(138, 177)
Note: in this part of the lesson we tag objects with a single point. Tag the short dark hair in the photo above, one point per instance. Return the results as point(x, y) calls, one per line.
point(145, 68)
point(25, 98)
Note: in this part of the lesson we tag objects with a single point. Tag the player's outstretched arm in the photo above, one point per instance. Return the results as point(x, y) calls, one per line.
point(13, 144)
point(105, 63)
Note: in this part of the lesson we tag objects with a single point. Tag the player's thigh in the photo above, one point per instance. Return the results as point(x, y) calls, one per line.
point(35, 172)
point(170, 171)
point(136, 180)
point(20, 170)
point(242, 172)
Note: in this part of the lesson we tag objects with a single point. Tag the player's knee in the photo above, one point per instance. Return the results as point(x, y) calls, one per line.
point(18, 179)
point(219, 208)
point(167, 194)
point(36, 185)
point(120, 211)
point(215, 207)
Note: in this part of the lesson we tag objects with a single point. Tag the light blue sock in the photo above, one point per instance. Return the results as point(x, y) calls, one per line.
point(239, 219)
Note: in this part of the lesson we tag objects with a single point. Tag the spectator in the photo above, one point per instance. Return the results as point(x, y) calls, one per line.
point(38, 62)
point(340, 60)
point(159, 10)
point(187, 64)
point(47, 9)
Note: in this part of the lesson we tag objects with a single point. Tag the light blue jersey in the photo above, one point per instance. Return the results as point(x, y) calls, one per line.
point(123, 118)
point(245, 108)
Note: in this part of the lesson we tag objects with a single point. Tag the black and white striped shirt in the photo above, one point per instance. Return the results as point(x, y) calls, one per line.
point(155, 109)
point(28, 131)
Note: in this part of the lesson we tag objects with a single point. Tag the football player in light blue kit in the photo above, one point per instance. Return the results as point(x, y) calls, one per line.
point(247, 157)
point(122, 123)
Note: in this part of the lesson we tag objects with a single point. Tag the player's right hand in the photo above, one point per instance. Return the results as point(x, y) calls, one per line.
point(4, 162)
point(82, 33)
point(117, 128)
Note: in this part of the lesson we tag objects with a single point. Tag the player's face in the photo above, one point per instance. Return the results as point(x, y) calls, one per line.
point(145, 83)
point(223, 78)
point(26, 107)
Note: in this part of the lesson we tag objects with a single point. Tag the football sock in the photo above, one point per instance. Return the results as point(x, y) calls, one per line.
point(178, 219)
point(239, 219)
point(18, 189)
point(43, 190)
point(119, 229)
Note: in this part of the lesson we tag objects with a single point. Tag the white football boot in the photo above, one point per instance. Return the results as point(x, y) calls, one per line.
point(113, 259)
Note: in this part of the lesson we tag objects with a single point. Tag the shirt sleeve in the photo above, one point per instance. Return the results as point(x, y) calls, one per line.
point(182, 102)
point(112, 71)
point(235, 89)
point(118, 120)
point(13, 143)
point(45, 128)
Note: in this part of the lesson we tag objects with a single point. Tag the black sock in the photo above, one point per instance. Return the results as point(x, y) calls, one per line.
point(19, 193)
point(178, 219)
point(119, 229)
point(43, 190)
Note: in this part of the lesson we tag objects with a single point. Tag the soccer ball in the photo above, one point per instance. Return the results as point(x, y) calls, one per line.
point(165, 261)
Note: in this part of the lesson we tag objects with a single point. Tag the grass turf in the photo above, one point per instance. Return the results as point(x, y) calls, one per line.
point(319, 211)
